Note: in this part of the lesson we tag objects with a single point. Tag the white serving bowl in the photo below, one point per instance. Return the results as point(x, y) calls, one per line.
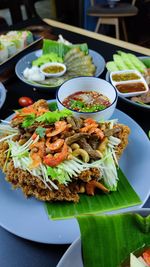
point(122, 82)
point(50, 64)
point(88, 84)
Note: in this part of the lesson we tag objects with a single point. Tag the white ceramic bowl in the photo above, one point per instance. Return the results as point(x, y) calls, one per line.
point(88, 84)
point(51, 64)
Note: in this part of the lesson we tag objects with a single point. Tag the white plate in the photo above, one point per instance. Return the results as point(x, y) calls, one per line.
point(73, 256)
point(27, 218)
point(2, 94)
point(26, 61)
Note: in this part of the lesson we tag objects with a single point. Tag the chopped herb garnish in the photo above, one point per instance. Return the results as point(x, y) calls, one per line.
point(29, 120)
point(41, 131)
point(58, 173)
point(77, 104)
point(51, 172)
point(51, 117)
point(52, 106)
point(47, 117)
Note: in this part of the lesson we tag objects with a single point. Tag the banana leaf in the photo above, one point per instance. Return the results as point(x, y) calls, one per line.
point(124, 197)
point(146, 61)
point(108, 240)
point(61, 49)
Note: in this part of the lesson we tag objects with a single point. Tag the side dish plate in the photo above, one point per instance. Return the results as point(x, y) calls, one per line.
point(127, 100)
point(26, 61)
point(73, 256)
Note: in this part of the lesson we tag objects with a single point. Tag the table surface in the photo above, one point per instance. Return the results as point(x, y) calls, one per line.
point(15, 251)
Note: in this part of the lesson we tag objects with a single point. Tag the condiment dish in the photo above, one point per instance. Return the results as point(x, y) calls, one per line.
point(53, 69)
point(88, 84)
point(128, 83)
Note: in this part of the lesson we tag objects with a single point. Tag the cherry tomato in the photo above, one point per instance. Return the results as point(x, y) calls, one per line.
point(25, 101)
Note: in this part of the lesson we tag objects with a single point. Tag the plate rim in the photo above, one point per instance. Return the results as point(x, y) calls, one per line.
point(3, 90)
point(69, 239)
point(52, 87)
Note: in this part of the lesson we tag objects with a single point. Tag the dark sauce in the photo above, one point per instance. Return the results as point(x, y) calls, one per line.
point(131, 87)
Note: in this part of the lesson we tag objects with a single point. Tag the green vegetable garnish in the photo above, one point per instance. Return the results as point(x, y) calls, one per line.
point(137, 62)
point(149, 134)
point(111, 66)
point(52, 106)
point(80, 106)
point(125, 61)
point(41, 131)
point(51, 57)
point(29, 120)
point(59, 174)
point(51, 117)
point(77, 104)
point(119, 62)
point(50, 46)
point(47, 117)
point(52, 172)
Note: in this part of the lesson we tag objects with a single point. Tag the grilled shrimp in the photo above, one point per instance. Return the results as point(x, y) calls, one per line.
point(92, 127)
point(60, 126)
point(55, 145)
point(57, 158)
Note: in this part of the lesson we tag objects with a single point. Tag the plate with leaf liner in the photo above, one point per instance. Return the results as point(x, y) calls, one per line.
point(28, 218)
point(53, 83)
point(125, 233)
point(138, 104)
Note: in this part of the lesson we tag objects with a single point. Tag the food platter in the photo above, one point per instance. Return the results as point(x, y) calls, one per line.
point(73, 256)
point(27, 218)
point(2, 94)
point(26, 61)
point(127, 100)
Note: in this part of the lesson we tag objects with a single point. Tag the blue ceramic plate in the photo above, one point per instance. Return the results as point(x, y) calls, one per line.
point(73, 255)
point(2, 94)
point(127, 100)
point(27, 218)
point(26, 61)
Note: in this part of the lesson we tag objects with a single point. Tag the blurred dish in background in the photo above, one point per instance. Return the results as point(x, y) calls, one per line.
point(15, 42)
point(126, 61)
point(2, 94)
point(26, 62)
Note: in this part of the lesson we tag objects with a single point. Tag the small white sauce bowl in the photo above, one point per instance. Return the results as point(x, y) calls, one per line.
point(140, 80)
point(57, 74)
point(88, 84)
